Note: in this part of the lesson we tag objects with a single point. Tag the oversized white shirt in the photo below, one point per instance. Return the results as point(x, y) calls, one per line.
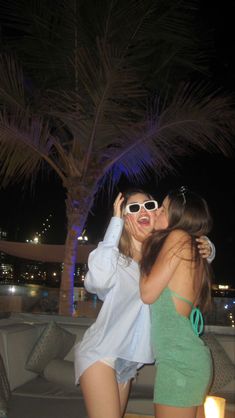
point(122, 328)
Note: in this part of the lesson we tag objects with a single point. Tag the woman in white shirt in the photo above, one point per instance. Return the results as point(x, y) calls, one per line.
point(118, 343)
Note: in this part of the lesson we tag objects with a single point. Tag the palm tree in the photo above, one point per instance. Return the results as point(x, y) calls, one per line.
point(79, 106)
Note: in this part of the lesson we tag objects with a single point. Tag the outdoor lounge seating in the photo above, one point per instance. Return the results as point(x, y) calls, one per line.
point(41, 378)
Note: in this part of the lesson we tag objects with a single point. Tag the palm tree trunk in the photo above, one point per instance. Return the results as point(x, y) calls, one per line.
point(67, 279)
point(79, 200)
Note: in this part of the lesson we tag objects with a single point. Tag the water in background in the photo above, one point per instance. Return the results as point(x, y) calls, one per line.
point(40, 299)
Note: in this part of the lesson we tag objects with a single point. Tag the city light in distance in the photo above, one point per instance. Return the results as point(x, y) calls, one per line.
point(12, 289)
point(39, 235)
point(223, 286)
point(83, 238)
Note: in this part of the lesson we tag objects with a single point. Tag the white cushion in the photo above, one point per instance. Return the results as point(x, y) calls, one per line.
point(16, 342)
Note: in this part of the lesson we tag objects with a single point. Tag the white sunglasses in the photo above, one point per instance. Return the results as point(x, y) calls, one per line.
point(149, 205)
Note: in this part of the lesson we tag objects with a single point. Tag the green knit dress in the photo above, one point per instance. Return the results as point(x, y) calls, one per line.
point(184, 364)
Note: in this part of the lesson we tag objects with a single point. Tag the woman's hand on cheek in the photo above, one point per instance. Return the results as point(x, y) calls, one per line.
point(135, 230)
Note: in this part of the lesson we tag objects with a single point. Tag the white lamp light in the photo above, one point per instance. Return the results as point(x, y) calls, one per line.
point(214, 407)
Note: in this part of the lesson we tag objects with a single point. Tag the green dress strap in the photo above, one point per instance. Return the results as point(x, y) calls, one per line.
point(181, 297)
point(195, 317)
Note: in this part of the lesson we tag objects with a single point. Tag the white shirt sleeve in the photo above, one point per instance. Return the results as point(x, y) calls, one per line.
point(102, 262)
point(213, 252)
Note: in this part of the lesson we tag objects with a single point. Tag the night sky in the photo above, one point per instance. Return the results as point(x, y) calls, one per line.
point(212, 176)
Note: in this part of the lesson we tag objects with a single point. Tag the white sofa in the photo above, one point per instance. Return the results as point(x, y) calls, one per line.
point(53, 392)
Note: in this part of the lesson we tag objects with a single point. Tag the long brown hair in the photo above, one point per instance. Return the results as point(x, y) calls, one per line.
point(125, 244)
point(189, 212)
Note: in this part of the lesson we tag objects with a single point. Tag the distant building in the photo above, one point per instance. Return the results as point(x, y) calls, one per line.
point(80, 272)
point(6, 268)
point(3, 235)
point(223, 290)
point(19, 271)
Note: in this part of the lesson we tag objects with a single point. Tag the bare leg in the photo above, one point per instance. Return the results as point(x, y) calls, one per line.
point(124, 389)
point(165, 411)
point(100, 390)
point(200, 412)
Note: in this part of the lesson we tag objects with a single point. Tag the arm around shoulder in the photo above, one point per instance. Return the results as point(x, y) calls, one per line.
point(213, 251)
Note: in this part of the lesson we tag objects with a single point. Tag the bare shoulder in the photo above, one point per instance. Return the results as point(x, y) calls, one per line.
point(178, 240)
point(178, 235)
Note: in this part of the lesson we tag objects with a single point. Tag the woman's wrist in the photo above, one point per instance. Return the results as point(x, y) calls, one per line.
point(114, 231)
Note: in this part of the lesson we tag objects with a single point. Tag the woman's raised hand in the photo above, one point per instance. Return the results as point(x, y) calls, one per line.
point(117, 205)
point(135, 230)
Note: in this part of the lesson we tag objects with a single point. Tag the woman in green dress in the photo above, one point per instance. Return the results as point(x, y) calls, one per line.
point(176, 282)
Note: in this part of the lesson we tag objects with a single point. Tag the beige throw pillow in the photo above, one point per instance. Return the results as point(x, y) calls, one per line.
point(224, 369)
point(54, 342)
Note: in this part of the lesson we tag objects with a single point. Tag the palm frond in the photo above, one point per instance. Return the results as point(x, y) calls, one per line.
point(107, 101)
point(11, 82)
point(195, 120)
point(159, 37)
point(25, 143)
point(42, 35)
